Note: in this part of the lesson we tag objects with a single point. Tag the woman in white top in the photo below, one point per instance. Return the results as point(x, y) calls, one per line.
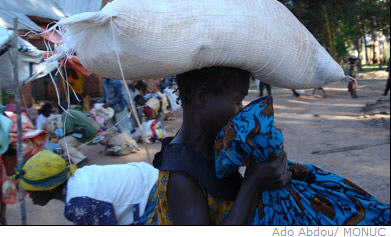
point(119, 194)
point(44, 113)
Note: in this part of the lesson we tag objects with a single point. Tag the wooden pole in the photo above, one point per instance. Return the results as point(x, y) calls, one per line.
point(19, 116)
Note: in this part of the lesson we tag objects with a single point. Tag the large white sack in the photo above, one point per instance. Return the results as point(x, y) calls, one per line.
point(156, 38)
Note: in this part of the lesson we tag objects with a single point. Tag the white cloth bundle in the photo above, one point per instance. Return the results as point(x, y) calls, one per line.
point(157, 38)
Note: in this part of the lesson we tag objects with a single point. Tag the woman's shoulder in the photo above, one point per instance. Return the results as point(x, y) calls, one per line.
point(175, 156)
point(189, 165)
point(180, 180)
point(166, 154)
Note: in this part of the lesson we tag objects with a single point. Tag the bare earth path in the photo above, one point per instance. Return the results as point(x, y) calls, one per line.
point(309, 123)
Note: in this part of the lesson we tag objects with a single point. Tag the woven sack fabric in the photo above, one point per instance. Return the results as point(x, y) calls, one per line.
point(156, 38)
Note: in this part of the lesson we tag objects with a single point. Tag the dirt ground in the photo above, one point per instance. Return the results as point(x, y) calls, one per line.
point(346, 136)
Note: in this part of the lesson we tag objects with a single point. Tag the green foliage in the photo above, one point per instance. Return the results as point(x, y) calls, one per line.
point(339, 25)
point(371, 68)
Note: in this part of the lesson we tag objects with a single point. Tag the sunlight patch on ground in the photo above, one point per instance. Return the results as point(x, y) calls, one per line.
point(291, 122)
point(310, 117)
point(338, 117)
point(299, 102)
point(281, 107)
point(347, 105)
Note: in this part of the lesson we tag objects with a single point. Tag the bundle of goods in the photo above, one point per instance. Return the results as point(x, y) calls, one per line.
point(101, 116)
point(155, 38)
point(119, 143)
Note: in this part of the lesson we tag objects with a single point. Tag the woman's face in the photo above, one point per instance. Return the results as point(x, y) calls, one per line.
point(221, 107)
point(40, 197)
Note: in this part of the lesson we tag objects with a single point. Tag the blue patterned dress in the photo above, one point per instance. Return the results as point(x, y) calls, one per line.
point(313, 197)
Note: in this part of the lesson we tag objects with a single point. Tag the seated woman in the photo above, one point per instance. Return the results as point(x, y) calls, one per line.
point(44, 113)
point(313, 197)
point(78, 129)
point(189, 192)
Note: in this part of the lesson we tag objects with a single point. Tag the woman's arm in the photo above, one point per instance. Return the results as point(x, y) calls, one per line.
point(188, 204)
point(186, 200)
point(259, 176)
point(243, 208)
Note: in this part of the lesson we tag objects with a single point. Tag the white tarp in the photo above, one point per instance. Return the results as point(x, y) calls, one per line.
point(30, 61)
point(5, 35)
point(24, 23)
point(52, 9)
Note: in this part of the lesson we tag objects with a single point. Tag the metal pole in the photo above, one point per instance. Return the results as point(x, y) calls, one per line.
point(19, 116)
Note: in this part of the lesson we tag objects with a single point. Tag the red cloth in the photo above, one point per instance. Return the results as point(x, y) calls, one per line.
point(12, 108)
point(148, 112)
point(74, 63)
point(153, 128)
point(33, 141)
point(52, 37)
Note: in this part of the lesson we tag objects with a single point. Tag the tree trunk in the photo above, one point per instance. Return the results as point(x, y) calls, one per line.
point(374, 39)
point(366, 49)
point(362, 29)
point(358, 46)
point(329, 31)
point(382, 55)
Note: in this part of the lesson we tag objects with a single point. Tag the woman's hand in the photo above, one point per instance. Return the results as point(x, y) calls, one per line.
point(268, 175)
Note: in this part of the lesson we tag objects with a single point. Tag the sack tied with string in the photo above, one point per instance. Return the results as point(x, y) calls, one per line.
point(157, 38)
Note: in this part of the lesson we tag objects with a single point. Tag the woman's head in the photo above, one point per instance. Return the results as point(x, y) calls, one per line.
point(46, 109)
point(214, 93)
point(41, 198)
point(42, 174)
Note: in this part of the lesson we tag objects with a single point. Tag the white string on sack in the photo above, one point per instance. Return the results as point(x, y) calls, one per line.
point(127, 90)
point(63, 77)
point(68, 53)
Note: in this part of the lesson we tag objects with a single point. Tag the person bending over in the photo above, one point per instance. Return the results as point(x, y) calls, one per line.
point(120, 194)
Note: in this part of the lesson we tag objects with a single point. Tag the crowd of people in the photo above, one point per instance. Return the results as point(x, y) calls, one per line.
point(62, 131)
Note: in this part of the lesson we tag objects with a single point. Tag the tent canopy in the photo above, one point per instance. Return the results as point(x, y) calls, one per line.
point(30, 61)
point(51, 9)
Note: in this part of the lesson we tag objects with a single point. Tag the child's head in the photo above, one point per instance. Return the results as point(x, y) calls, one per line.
point(214, 93)
point(139, 100)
